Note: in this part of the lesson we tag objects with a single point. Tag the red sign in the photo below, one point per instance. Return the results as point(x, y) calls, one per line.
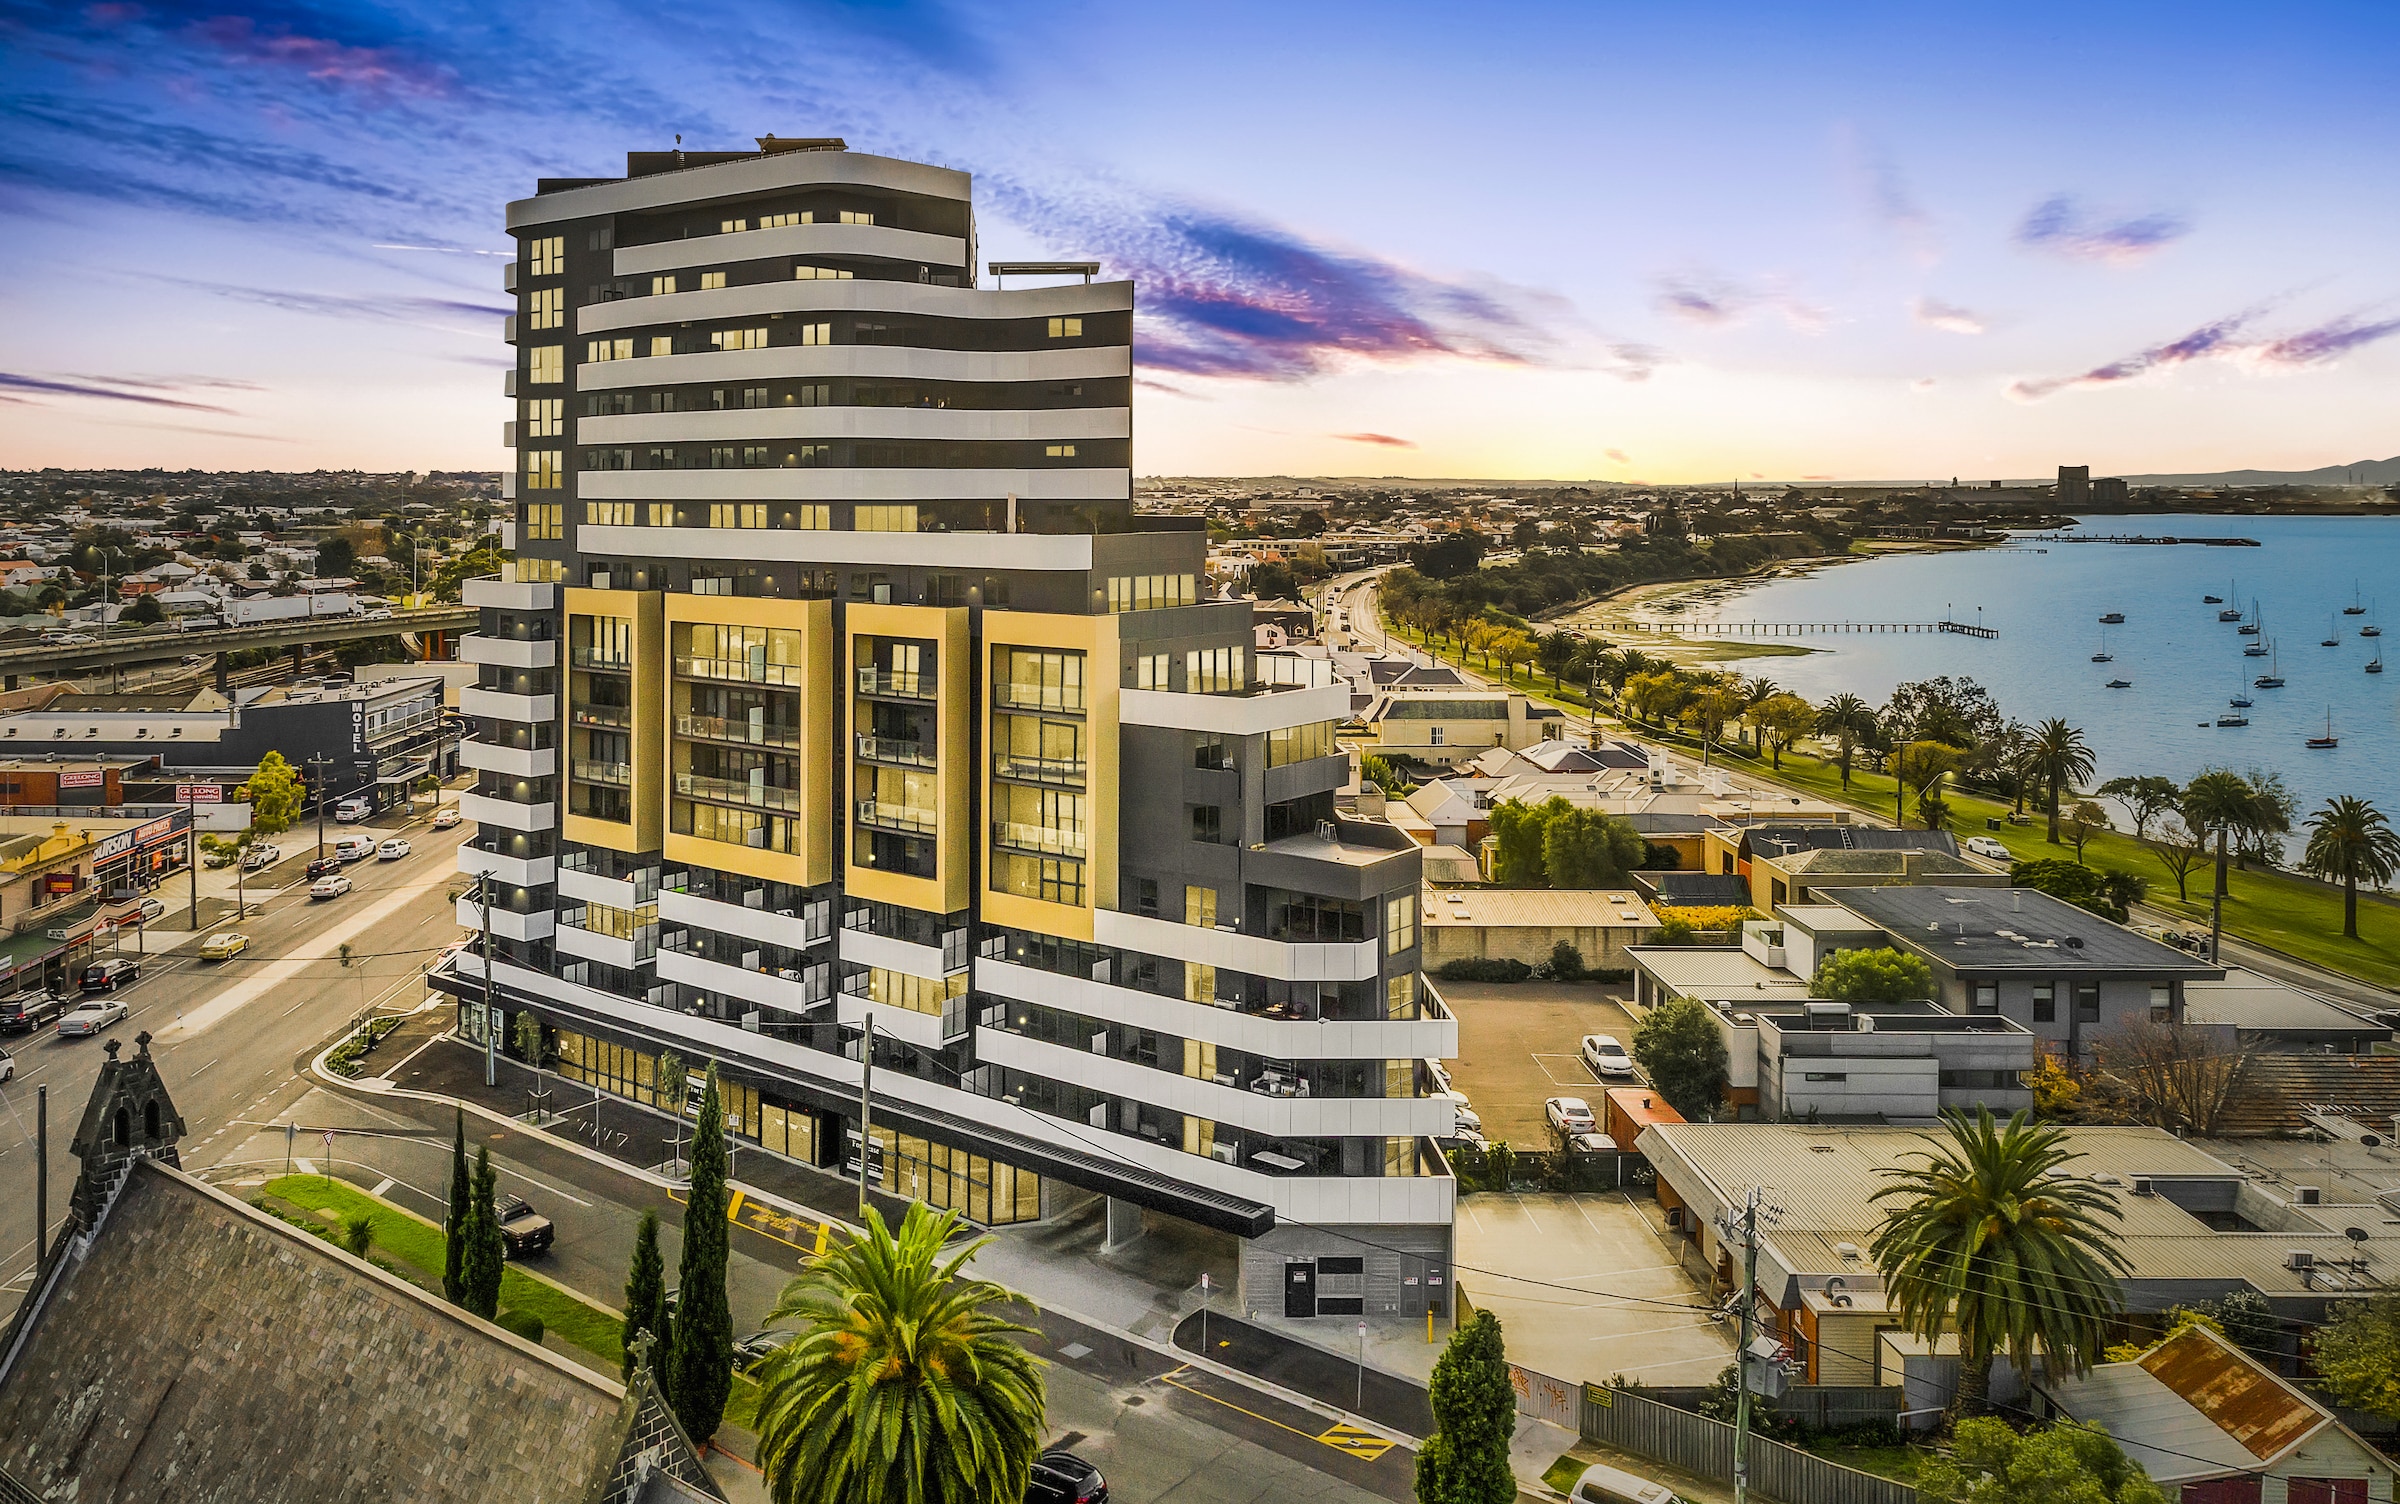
point(199, 793)
point(83, 778)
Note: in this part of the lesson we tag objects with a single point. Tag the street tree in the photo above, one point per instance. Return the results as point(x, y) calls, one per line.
point(645, 1290)
point(2061, 759)
point(1590, 848)
point(2228, 807)
point(486, 1253)
point(1881, 975)
point(2358, 1355)
point(1991, 1462)
point(454, 1228)
point(2084, 821)
point(1465, 1460)
point(2145, 798)
point(2350, 842)
point(1783, 719)
point(1679, 1049)
point(275, 793)
point(700, 1373)
point(2176, 1076)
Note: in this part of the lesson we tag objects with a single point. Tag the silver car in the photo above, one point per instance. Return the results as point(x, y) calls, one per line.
point(91, 1018)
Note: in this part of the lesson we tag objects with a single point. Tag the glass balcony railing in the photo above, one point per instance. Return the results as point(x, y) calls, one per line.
point(618, 774)
point(917, 819)
point(1049, 840)
point(615, 663)
point(738, 791)
point(1027, 694)
point(1039, 769)
point(748, 733)
point(897, 684)
point(740, 670)
point(912, 754)
point(616, 717)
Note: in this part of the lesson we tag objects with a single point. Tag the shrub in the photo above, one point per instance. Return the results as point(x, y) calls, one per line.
point(1566, 962)
point(1466, 969)
point(524, 1323)
point(1882, 975)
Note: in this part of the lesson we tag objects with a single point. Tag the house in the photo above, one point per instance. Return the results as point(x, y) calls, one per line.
point(2211, 1422)
point(177, 1343)
point(2271, 1015)
point(1783, 860)
point(1442, 728)
point(1525, 924)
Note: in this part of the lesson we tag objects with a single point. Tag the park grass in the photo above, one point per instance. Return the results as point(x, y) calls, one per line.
point(2278, 911)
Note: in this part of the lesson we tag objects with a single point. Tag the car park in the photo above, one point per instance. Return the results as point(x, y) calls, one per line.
point(523, 1229)
point(324, 866)
point(443, 819)
point(392, 850)
point(333, 886)
point(1569, 1115)
point(1605, 1056)
point(260, 855)
point(109, 975)
point(223, 947)
point(1464, 1137)
point(1061, 1477)
point(31, 1010)
point(90, 1018)
point(1987, 848)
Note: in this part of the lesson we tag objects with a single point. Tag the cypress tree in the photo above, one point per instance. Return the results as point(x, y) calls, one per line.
point(454, 1241)
point(701, 1375)
point(1465, 1461)
point(646, 1295)
point(486, 1254)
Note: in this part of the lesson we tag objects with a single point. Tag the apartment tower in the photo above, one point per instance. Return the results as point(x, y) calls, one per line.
point(838, 701)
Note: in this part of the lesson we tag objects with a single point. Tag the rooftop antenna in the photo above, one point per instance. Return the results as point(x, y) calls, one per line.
point(679, 148)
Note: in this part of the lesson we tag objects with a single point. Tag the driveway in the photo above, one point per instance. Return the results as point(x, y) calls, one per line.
point(1518, 1044)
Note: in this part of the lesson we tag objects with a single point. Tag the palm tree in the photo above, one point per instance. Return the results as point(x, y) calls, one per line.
point(1988, 1240)
point(2349, 839)
point(2061, 760)
point(1850, 721)
point(903, 1386)
point(2224, 804)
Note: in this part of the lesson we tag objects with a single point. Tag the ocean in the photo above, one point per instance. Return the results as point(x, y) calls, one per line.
point(2183, 664)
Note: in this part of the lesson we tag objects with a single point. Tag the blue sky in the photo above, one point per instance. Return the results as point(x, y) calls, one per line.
point(1597, 240)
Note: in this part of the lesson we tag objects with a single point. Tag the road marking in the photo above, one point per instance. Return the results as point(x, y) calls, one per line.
point(540, 1186)
point(305, 1166)
point(1364, 1445)
point(195, 1075)
point(381, 1186)
point(1341, 1438)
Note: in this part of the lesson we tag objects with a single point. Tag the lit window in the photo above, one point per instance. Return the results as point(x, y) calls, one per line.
point(545, 309)
point(816, 334)
point(608, 513)
point(662, 514)
point(1399, 922)
point(545, 519)
point(732, 226)
point(820, 274)
point(1150, 670)
point(608, 349)
point(1066, 328)
point(1059, 451)
point(662, 344)
point(778, 221)
point(545, 417)
point(542, 467)
point(661, 286)
point(546, 365)
point(1209, 671)
point(808, 456)
point(737, 514)
point(815, 518)
point(723, 456)
point(546, 258)
point(711, 281)
point(886, 519)
point(857, 217)
point(739, 339)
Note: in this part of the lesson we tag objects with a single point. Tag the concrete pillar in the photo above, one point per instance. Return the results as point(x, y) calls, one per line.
point(1124, 1226)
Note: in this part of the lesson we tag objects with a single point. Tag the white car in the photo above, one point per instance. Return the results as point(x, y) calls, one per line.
point(380, 613)
point(329, 887)
point(1987, 848)
point(90, 1018)
point(76, 639)
point(1466, 1115)
point(392, 850)
point(1569, 1116)
point(1605, 1056)
point(446, 818)
point(1592, 1143)
point(8, 1067)
point(261, 855)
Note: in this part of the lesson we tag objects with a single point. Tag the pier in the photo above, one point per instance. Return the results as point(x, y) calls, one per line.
point(1803, 628)
point(2139, 539)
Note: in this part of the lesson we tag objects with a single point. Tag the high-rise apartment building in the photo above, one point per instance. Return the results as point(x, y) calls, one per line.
point(2074, 487)
point(837, 700)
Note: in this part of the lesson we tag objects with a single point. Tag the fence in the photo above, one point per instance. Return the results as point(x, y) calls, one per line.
point(1819, 1407)
point(1630, 1422)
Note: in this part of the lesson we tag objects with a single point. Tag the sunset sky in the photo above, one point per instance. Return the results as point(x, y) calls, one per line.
point(1541, 240)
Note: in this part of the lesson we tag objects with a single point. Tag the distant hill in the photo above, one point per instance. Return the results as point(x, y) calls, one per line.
point(2362, 473)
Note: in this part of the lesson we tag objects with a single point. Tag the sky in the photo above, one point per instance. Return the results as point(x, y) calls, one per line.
point(1576, 241)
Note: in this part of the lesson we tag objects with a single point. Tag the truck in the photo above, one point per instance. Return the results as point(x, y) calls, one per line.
point(267, 609)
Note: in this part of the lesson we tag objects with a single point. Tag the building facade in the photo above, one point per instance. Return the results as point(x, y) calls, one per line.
point(837, 700)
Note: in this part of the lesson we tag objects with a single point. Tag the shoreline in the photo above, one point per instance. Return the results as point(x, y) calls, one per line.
point(1610, 615)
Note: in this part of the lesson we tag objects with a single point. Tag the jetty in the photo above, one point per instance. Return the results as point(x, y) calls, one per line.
point(1801, 628)
point(2137, 539)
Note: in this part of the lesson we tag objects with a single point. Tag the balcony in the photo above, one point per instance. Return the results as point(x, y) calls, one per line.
point(491, 592)
point(1250, 712)
point(793, 993)
point(750, 922)
point(1048, 840)
point(742, 671)
point(1026, 695)
point(585, 886)
point(897, 684)
point(916, 819)
point(889, 749)
point(607, 717)
point(508, 328)
point(507, 923)
point(1230, 950)
point(735, 791)
point(1064, 770)
point(517, 871)
point(717, 728)
point(508, 276)
point(517, 762)
point(594, 658)
point(613, 774)
point(510, 652)
point(616, 950)
point(508, 383)
point(932, 962)
point(498, 705)
point(1434, 1036)
point(483, 809)
point(929, 1031)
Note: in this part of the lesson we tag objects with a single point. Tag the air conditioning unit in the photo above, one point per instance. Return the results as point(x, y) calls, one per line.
point(2308, 1195)
point(2142, 1186)
point(2300, 1258)
point(1674, 1218)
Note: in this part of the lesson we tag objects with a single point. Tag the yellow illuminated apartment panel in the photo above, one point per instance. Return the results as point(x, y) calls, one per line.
point(1050, 765)
point(616, 752)
point(910, 786)
point(749, 725)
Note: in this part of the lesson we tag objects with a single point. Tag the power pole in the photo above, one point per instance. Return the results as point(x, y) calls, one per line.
point(491, 990)
point(1741, 1367)
point(318, 763)
point(866, 1108)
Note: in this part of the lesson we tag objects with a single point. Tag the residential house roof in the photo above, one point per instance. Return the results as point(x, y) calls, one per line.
point(1538, 908)
point(2011, 929)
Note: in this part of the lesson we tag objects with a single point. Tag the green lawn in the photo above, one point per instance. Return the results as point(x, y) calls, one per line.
point(1562, 1474)
point(2300, 918)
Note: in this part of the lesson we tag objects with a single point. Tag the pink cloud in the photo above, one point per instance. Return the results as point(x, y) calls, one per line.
point(1383, 439)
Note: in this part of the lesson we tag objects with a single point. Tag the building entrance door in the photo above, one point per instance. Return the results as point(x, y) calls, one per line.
point(1300, 1288)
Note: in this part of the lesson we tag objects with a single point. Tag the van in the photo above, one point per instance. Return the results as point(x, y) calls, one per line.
point(1602, 1484)
point(354, 809)
point(354, 848)
point(109, 975)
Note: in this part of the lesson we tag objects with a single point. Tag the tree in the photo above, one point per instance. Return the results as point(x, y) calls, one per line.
point(1680, 1050)
point(275, 792)
point(2084, 821)
point(145, 611)
point(2179, 849)
point(486, 1252)
point(1451, 555)
point(1990, 1462)
point(2071, 882)
point(486, 558)
point(2060, 758)
point(1518, 832)
point(1566, 962)
point(1882, 975)
point(1783, 719)
point(1465, 1461)
point(2177, 1076)
point(2349, 841)
point(454, 1230)
point(529, 1044)
point(2224, 804)
point(701, 1369)
point(1850, 721)
point(1558, 652)
point(2145, 799)
point(645, 1290)
point(905, 1383)
point(2358, 1355)
point(1655, 694)
point(336, 557)
point(1590, 848)
point(1922, 765)
point(1709, 710)
point(1374, 768)
point(1988, 1240)
point(358, 1232)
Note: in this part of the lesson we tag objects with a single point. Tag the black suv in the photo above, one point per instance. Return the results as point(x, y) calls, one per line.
point(31, 1010)
point(324, 866)
point(525, 1230)
point(1064, 1478)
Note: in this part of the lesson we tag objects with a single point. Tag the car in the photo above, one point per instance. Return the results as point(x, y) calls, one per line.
point(354, 848)
point(333, 886)
point(109, 975)
point(76, 639)
point(749, 1350)
point(8, 1067)
point(392, 850)
point(380, 613)
point(31, 1010)
point(1061, 1477)
point(324, 866)
point(1602, 1484)
point(1464, 1138)
point(351, 811)
point(1465, 1113)
point(192, 660)
point(147, 910)
point(1569, 1115)
point(1591, 1143)
point(260, 855)
point(1605, 1056)
point(523, 1229)
point(443, 819)
point(90, 1018)
point(223, 947)
point(1441, 1076)
point(1987, 848)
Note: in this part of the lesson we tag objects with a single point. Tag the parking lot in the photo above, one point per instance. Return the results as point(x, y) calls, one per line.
point(1517, 1045)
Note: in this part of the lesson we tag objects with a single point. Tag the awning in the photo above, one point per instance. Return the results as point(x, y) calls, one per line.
point(409, 774)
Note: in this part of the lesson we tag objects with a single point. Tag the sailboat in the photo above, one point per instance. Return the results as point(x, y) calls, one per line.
point(2354, 608)
point(2273, 677)
point(2375, 664)
point(2370, 630)
point(2328, 740)
point(2230, 613)
point(2103, 656)
point(2333, 636)
point(2251, 627)
point(2240, 700)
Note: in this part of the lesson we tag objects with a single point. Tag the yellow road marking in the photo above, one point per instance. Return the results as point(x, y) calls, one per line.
point(1364, 1445)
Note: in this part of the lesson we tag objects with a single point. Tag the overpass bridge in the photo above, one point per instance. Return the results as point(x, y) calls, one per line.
point(124, 649)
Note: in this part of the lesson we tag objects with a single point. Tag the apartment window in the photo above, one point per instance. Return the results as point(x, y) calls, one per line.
point(608, 459)
point(2087, 1002)
point(662, 514)
point(1145, 896)
point(546, 308)
point(603, 238)
point(608, 349)
point(2162, 1002)
point(545, 417)
point(542, 467)
point(1150, 670)
point(1436, 735)
point(1148, 592)
point(545, 519)
point(546, 365)
point(757, 454)
point(884, 519)
point(1400, 997)
point(608, 513)
point(1399, 923)
point(1058, 451)
point(816, 334)
point(739, 339)
point(1986, 998)
point(1208, 824)
point(820, 274)
point(1199, 982)
point(662, 457)
point(778, 221)
point(754, 396)
point(662, 344)
point(808, 456)
point(724, 456)
point(1200, 907)
point(613, 404)
point(711, 281)
point(814, 395)
point(546, 257)
point(1048, 879)
point(737, 514)
point(1038, 679)
point(812, 517)
point(1209, 753)
point(661, 286)
point(1208, 671)
point(858, 217)
point(1825, 1076)
point(2045, 1002)
point(1067, 328)
point(732, 226)
point(1289, 744)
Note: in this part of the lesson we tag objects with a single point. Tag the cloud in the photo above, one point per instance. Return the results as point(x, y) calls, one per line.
point(1715, 303)
point(2223, 340)
point(1889, 197)
point(173, 383)
point(1618, 455)
point(447, 250)
point(1923, 384)
point(371, 70)
point(398, 309)
point(1384, 439)
point(87, 387)
point(2061, 225)
point(1947, 317)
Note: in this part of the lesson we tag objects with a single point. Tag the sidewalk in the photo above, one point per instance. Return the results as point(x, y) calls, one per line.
point(1313, 1371)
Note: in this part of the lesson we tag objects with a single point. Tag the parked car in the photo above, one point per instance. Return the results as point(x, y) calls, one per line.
point(354, 848)
point(749, 1350)
point(223, 947)
point(324, 866)
point(1466, 1115)
point(1602, 1484)
point(1569, 1115)
point(260, 855)
point(1605, 1056)
point(1464, 1138)
point(392, 850)
point(31, 1010)
point(1061, 1477)
point(523, 1229)
point(1591, 1143)
point(353, 809)
point(1987, 848)
point(446, 817)
point(8, 1067)
point(109, 975)
point(1441, 1076)
point(90, 1018)
point(192, 660)
point(147, 910)
point(333, 886)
